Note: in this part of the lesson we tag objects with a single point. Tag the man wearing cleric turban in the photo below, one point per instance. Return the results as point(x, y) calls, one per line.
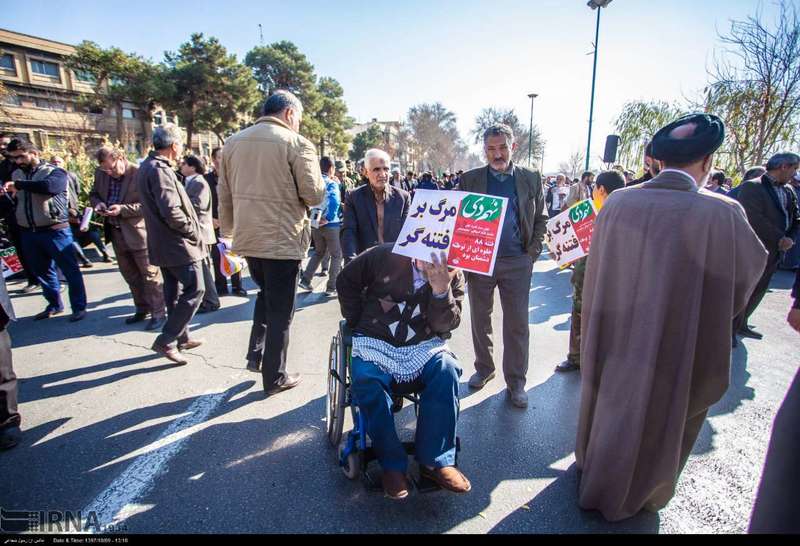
point(671, 265)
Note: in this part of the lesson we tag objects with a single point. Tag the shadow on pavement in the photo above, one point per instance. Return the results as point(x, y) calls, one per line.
point(78, 454)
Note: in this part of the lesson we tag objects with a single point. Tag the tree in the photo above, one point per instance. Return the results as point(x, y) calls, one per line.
point(436, 140)
point(636, 125)
point(756, 87)
point(108, 70)
point(492, 116)
point(363, 141)
point(283, 66)
point(573, 167)
point(210, 89)
point(332, 117)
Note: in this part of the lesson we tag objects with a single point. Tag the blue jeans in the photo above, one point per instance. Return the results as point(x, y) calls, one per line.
point(44, 251)
point(438, 413)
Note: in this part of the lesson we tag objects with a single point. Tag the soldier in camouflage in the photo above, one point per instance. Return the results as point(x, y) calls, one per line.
point(606, 183)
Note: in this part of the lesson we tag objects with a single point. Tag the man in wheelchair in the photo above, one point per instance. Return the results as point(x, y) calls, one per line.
point(401, 312)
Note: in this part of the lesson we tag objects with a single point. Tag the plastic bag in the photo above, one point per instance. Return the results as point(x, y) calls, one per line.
point(230, 263)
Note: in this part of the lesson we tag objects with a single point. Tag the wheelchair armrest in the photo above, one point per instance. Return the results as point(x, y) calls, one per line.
point(347, 334)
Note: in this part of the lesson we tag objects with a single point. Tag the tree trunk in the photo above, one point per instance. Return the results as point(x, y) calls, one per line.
point(189, 134)
point(322, 146)
point(122, 137)
point(219, 136)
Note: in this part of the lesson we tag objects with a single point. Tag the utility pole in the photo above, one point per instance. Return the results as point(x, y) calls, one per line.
point(530, 133)
point(598, 5)
point(261, 33)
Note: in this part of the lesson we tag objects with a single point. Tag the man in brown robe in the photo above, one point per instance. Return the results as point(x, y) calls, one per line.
point(670, 267)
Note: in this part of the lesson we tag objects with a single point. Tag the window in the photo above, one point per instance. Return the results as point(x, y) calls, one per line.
point(85, 76)
point(170, 119)
point(127, 113)
point(12, 100)
point(50, 104)
point(7, 63)
point(45, 68)
point(158, 119)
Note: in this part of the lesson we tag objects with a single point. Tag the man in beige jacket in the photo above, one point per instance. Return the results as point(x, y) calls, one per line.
point(269, 176)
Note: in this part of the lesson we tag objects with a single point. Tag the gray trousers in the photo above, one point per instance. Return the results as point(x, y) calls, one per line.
point(326, 243)
point(9, 414)
point(181, 304)
point(512, 277)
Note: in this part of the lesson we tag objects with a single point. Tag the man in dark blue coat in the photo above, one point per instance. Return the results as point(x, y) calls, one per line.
point(373, 213)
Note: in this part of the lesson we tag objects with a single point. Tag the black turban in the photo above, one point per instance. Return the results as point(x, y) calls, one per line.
point(708, 135)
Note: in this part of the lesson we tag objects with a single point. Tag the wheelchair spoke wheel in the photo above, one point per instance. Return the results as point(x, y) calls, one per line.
point(335, 410)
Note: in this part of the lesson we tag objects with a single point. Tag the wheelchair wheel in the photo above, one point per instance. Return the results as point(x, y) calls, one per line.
point(335, 407)
point(355, 461)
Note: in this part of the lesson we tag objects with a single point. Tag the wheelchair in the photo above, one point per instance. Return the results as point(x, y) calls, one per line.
point(355, 454)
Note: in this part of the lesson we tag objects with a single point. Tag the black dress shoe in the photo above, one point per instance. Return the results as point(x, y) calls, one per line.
point(253, 366)
point(240, 292)
point(156, 323)
point(206, 309)
point(136, 317)
point(47, 313)
point(747, 331)
point(77, 315)
point(567, 366)
point(290, 382)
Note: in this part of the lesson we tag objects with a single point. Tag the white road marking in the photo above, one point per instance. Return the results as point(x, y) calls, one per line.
point(114, 504)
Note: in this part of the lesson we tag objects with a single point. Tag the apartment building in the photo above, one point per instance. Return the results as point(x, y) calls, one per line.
point(41, 101)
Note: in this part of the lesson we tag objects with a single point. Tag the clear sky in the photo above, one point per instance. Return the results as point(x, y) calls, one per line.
point(466, 54)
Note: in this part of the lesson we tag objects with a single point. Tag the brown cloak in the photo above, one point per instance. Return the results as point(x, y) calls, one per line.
point(669, 268)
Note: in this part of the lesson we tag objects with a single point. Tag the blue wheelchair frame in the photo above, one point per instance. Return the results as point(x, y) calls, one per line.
point(355, 455)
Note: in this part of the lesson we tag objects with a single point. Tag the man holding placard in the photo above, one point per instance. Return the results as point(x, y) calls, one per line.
point(520, 244)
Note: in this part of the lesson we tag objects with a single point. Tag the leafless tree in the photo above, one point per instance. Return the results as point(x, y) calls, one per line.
point(756, 87)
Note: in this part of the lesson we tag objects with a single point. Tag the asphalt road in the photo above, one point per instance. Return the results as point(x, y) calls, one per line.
point(110, 427)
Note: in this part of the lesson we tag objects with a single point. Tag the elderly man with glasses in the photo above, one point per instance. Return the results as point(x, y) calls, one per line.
point(115, 197)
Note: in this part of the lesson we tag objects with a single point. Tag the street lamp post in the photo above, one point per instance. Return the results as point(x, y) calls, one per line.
point(598, 5)
point(530, 133)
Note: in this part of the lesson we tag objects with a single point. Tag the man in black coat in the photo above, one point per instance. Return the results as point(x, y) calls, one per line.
point(773, 214)
point(373, 213)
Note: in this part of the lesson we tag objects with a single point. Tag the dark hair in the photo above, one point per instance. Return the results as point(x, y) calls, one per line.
point(279, 101)
point(196, 163)
point(214, 152)
point(574, 180)
point(719, 177)
point(648, 150)
point(21, 145)
point(325, 164)
point(610, 180)
point(410, 174)
point(754, 172)
point(586, 174)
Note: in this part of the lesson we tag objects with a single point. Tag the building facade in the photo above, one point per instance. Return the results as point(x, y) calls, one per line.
point(41, 101)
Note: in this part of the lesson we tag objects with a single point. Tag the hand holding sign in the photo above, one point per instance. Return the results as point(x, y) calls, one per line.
point(464, 226)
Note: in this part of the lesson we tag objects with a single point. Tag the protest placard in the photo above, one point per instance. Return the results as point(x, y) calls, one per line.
point(569, 234)
point(10, 261)
point(466, 226)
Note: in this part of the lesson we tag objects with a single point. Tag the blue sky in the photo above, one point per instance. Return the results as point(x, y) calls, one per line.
point(466, 54)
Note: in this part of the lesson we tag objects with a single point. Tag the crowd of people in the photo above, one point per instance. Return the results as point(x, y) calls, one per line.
point(651, 364)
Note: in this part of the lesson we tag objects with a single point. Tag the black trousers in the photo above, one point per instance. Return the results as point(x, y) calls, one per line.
point(273, 314)
point(183, 294)
point(758, 293)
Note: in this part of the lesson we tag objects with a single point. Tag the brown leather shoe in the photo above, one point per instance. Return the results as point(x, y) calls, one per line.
point(395, 485)
point(170, 353)
point(191, 344)
point(448, 477)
